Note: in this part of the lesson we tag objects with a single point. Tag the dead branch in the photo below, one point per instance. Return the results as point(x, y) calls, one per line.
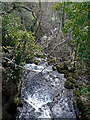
point(11, 61)
point(56, 47)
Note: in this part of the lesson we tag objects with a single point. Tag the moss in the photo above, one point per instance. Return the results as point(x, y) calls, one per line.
point(76, 93)
point(75, 75)
point(68, 85)
point(65, 72)
point(71, 69)
point(72, 80)
point(61, 67)
point(18, 101)
point(51, 60)
point(36, 62)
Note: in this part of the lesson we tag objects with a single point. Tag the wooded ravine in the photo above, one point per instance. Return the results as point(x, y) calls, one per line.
point(45, 60)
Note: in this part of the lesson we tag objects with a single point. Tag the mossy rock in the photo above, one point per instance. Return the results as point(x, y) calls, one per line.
point(61, 67)
point(68, 85)
point(54, 68)
point(66, 73)
point(76, 93)
point(72, 80)
point(36, 62)
point(75, 75)
point(71, 69)
point(51, 60)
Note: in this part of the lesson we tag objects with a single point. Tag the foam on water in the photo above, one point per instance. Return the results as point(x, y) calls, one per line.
point(47, 88)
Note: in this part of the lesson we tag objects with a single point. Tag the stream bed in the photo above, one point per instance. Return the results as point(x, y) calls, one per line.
point(44, 95)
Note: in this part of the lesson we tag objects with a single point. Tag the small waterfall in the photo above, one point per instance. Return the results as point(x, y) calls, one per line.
point(44, 95)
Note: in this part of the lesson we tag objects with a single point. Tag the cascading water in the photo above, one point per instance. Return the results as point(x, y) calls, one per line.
point(44, 95)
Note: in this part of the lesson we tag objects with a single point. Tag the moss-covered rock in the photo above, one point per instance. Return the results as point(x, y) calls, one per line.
point(76, 93)
point(75, 75)
point(36, 62)
point(68, 85)
point(66, 73)
point(51, 60)
point(71, 69)
point(72, 80)
point(18, 101)
point(61, 67)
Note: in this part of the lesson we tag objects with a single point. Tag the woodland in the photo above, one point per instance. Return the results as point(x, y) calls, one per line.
point(52, 31)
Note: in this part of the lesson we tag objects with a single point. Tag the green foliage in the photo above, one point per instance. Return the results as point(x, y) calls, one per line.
point(18, 45)
point(78, 23)
point(10, 25)
point(58, 6)
point(85, 90)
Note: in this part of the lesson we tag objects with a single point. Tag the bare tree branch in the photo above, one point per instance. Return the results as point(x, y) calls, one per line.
point(11, 61)
point(56, 47)
point(29, 10)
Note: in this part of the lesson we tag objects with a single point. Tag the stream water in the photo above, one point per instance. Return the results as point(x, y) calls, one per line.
point(44, 94)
